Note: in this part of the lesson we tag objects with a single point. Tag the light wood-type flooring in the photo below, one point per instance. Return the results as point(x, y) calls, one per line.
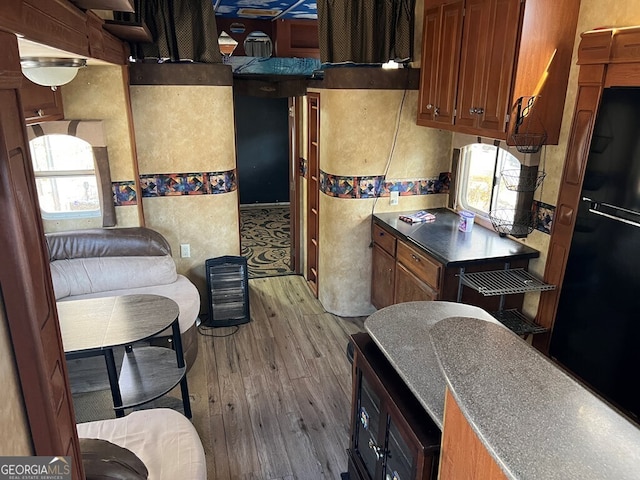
point(272, 401)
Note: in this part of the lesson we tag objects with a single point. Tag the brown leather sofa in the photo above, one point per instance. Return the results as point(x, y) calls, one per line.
point(122, 261)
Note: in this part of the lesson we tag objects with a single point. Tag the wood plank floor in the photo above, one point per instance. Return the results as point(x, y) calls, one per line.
point(272, 401)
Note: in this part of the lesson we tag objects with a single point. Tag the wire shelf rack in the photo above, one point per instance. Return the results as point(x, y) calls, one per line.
point(504, 282)
point(518, 323)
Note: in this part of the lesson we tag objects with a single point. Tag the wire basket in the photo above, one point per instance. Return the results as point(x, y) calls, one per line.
point(516, 181)
point(512, 222)
point(529, 142)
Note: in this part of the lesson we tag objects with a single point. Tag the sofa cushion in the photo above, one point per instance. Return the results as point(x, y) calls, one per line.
point(163, 439)
point(79, 276)
point(103, 460)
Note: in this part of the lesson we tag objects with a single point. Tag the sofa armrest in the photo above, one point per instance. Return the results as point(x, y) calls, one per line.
point(106, 242)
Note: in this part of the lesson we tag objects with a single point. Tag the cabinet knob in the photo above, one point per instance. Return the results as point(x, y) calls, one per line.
point(479, 110)
point(376, 449)
point(40, 112)
point(429, 106)
point(436, 111)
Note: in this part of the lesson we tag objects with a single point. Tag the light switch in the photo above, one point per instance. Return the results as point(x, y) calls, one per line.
point(185, 250)
point(393, 198)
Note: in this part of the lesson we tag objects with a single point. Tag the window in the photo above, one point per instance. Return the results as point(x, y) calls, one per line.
point(65, 177)
point(484, 172)
point(479, 187)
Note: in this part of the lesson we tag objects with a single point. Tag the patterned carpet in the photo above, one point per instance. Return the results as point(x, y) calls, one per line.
point(266, 240)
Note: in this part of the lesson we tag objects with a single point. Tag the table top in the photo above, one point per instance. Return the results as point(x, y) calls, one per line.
point(98, 323)
point(442, 240)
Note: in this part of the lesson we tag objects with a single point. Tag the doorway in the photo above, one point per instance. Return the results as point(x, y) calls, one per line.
point(264, 153)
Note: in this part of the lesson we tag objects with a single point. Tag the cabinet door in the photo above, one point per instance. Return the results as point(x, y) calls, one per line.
point(499, 64)
point(382, 278)
point(39, 103)
point(369, 428)
point(473, 60)
point(410, 288)
point(441, 41)
point(401, 462)
point(487, 61)
point(429, 69)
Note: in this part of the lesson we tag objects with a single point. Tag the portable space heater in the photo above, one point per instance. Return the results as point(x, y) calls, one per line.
point(228, 286)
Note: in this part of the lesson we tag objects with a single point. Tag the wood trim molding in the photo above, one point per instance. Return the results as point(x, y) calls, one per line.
point(60, 24)
point(209, 74)
point(371, 78)
point(25, 284)
point(607, 58)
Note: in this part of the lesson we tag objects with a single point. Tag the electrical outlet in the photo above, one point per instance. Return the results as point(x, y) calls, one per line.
point(393, 198)
point(185, 250)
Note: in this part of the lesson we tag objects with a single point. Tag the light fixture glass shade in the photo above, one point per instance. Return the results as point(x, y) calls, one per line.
point(51, 72)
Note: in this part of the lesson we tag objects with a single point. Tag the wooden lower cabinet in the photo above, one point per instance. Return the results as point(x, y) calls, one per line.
point(384, 272)
point(409, 288)
point(392, 436)
point(402, 272)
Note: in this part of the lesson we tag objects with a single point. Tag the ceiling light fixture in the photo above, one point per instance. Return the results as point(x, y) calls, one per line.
point(51, 72)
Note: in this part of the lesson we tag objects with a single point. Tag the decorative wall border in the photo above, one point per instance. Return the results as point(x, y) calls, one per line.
point(544, 214)
point(174, 184)
point(372, 186)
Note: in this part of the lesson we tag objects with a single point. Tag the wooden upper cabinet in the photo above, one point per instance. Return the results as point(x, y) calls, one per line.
point(507, 50)
point(442, 35)
point(487, 62)
point(40, 104)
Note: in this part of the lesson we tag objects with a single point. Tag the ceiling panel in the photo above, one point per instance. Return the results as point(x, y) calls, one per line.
point(266, 9)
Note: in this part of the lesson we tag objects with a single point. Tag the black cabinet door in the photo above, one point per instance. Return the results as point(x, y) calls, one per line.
point(367, 428)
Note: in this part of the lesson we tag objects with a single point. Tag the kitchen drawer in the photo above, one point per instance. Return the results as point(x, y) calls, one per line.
point(385, 240)
point(423, 267)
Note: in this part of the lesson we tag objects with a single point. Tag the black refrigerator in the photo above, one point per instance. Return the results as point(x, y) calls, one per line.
point(597, 326)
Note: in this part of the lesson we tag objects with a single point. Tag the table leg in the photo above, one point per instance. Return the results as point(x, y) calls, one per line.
point(177, 345)
point(113, 381)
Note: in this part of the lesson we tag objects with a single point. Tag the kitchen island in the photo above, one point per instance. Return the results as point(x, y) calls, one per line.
point(535, 421)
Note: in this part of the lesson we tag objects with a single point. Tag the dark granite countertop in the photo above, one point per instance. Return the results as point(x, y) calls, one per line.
point(444, 242)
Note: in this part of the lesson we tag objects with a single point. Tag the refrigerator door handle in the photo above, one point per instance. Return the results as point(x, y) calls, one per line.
point(594, 208)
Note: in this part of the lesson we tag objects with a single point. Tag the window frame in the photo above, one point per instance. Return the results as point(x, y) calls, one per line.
point(91, 131)
point(523, 200)
point(51, 174)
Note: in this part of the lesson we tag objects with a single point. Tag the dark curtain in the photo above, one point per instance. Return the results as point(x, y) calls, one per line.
point(365, 31)
point(181, 30)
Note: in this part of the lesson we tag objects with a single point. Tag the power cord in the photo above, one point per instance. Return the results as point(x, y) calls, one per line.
point(202, 329)
point(390, 158)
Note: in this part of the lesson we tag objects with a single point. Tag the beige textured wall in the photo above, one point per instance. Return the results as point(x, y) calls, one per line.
point(187, 129)
point(16, 438)
point(99, 93)
point(356, 135)
point(593, 14)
